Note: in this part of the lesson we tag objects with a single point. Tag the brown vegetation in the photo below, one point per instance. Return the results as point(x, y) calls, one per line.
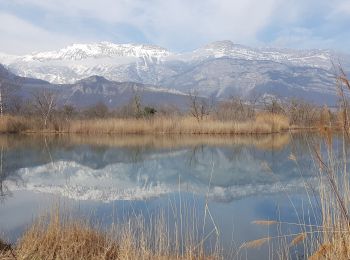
point(264, 123)
point(57, 236)
point(43, 113)
point(181, 125)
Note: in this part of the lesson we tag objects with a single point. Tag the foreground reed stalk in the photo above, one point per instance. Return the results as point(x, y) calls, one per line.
point(62, 236)
point(328, 235)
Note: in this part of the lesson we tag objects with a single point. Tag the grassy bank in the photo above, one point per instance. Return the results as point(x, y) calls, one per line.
point(263, 123)
point(57, 236)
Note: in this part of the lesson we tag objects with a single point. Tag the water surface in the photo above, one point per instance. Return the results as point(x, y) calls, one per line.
point(241, 179)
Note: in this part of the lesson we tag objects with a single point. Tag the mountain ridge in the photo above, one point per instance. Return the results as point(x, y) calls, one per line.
point(94, 89)
point(219, 69)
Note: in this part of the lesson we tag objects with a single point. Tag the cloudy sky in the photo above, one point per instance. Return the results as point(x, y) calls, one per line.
point(179, 25)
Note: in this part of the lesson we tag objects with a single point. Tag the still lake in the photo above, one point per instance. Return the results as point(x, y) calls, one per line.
point(113, 178)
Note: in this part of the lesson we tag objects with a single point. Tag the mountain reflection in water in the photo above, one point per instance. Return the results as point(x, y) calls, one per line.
point(142, 167)
point(240, 178)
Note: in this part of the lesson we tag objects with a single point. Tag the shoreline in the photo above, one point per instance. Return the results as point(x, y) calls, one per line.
point(291, 130)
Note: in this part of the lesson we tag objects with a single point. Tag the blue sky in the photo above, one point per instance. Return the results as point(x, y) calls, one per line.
point(178, 25)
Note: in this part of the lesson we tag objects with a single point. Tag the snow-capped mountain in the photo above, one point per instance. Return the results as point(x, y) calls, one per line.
point(100, 50)
point(312, 58)
point(220, 69)
point(120, 62)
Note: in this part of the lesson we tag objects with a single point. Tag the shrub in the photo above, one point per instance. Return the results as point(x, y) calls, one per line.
point(149, 111)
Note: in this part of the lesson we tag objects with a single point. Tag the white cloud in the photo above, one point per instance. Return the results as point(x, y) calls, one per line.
point(176, 24)
point(343, 7)
point(301, 38)
point(166, 22)
point(19, 36)
point(210, 20)
point(104, 10)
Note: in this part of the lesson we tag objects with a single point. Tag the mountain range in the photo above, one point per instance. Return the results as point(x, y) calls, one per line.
point(218, 70)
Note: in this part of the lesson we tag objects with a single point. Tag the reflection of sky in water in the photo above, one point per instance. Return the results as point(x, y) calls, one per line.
point(247, 183)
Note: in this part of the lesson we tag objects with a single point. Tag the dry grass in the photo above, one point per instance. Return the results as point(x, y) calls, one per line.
point(65, 240)
point(181, 125)
point(62, 237)
point(263, 124)
point(256, 243)
point(11, 124)
point(334, 192)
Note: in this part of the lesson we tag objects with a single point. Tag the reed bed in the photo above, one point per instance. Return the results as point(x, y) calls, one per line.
point(62, 235)
point(264, 123)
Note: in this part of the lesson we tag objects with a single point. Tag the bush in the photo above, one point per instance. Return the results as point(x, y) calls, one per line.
point(149, 111)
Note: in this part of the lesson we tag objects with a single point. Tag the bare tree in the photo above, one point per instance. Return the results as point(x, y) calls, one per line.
point(199, 106)
point(99, 110)
point(235, 109)
point(301, 112)
point(1, 101)
point(45, 103)
point(134, 107)
point(343, 86)
point(136, 103)
point(6, 91)
point(273, 105)
point(3, 189)
point(15, 104)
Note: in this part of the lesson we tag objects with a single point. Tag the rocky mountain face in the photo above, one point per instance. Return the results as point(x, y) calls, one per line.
point(92, 90)
point(220, 69)
point(89, 91)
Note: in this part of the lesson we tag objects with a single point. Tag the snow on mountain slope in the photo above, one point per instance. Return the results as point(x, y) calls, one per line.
point(142, 63)
point(219, 69)
point(313, 58)
point(99, 50)
point(121, 62)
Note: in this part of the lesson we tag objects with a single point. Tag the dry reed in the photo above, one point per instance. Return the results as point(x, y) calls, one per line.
point(180, 125)
point(298, 239)
point(330, 237)
point(62, 236)
point(263, 124)
point(264, 222)
point(256, 243)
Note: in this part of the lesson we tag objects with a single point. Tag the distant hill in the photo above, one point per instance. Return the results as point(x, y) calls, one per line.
point(94, 89)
